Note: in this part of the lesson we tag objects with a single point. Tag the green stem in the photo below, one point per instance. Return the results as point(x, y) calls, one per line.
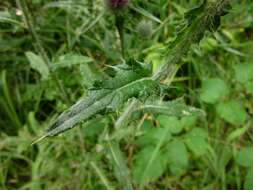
point(102, 176)
point(193, 34)
point(119, 22)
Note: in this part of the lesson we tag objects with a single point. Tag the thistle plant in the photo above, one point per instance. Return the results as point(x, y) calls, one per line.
point(134, 79)
point(174, 111)
point(118, 9)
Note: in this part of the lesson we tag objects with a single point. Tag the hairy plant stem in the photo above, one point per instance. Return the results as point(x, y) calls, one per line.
point(119, 22)
point(38, 45)
point(127, 114)
point(136, 81)
point(193, 34)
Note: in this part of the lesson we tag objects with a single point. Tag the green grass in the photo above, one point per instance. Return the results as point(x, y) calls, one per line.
point(50, 57)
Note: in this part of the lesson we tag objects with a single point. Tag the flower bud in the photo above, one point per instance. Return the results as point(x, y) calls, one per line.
point(145, 29)
point(116, 4)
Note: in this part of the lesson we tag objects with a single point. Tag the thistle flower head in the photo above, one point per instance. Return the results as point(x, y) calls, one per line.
point(145, 28)
point(116, 4)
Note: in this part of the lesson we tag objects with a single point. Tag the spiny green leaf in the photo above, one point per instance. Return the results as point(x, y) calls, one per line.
point(189, 17)
point(175, 108)
point(107, 96)
point(194, 12)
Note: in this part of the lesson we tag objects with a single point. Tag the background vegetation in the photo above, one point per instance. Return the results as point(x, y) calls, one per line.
point(79, 40)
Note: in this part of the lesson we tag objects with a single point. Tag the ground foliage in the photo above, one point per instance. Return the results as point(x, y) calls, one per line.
point(176, 113)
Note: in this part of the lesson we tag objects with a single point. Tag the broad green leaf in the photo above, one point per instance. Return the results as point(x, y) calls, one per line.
point(209, 44)
point(154, 55)
point(245, 157)
point(232, 112)
point(177, 157)
point(244, 72)
point(156, 167)
point(38, 64)
point(50, 89)
point(172, 123)
point(152, 135)
point(146, 125)
point(196, 141)
point(93, 127)
point(32, 92)
point(154, 162)
point(248, 183)
point(156, 60)
point(213, 90)
point(71, 59)
point(249, 87)
point(122, 133)
point(106, 96)
point(237, 133)
point(189, 121)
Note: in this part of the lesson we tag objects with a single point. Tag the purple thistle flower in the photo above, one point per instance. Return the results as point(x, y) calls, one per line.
point(117, 4)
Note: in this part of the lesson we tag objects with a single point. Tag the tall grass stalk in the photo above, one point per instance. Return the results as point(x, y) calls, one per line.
point(39, 47)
